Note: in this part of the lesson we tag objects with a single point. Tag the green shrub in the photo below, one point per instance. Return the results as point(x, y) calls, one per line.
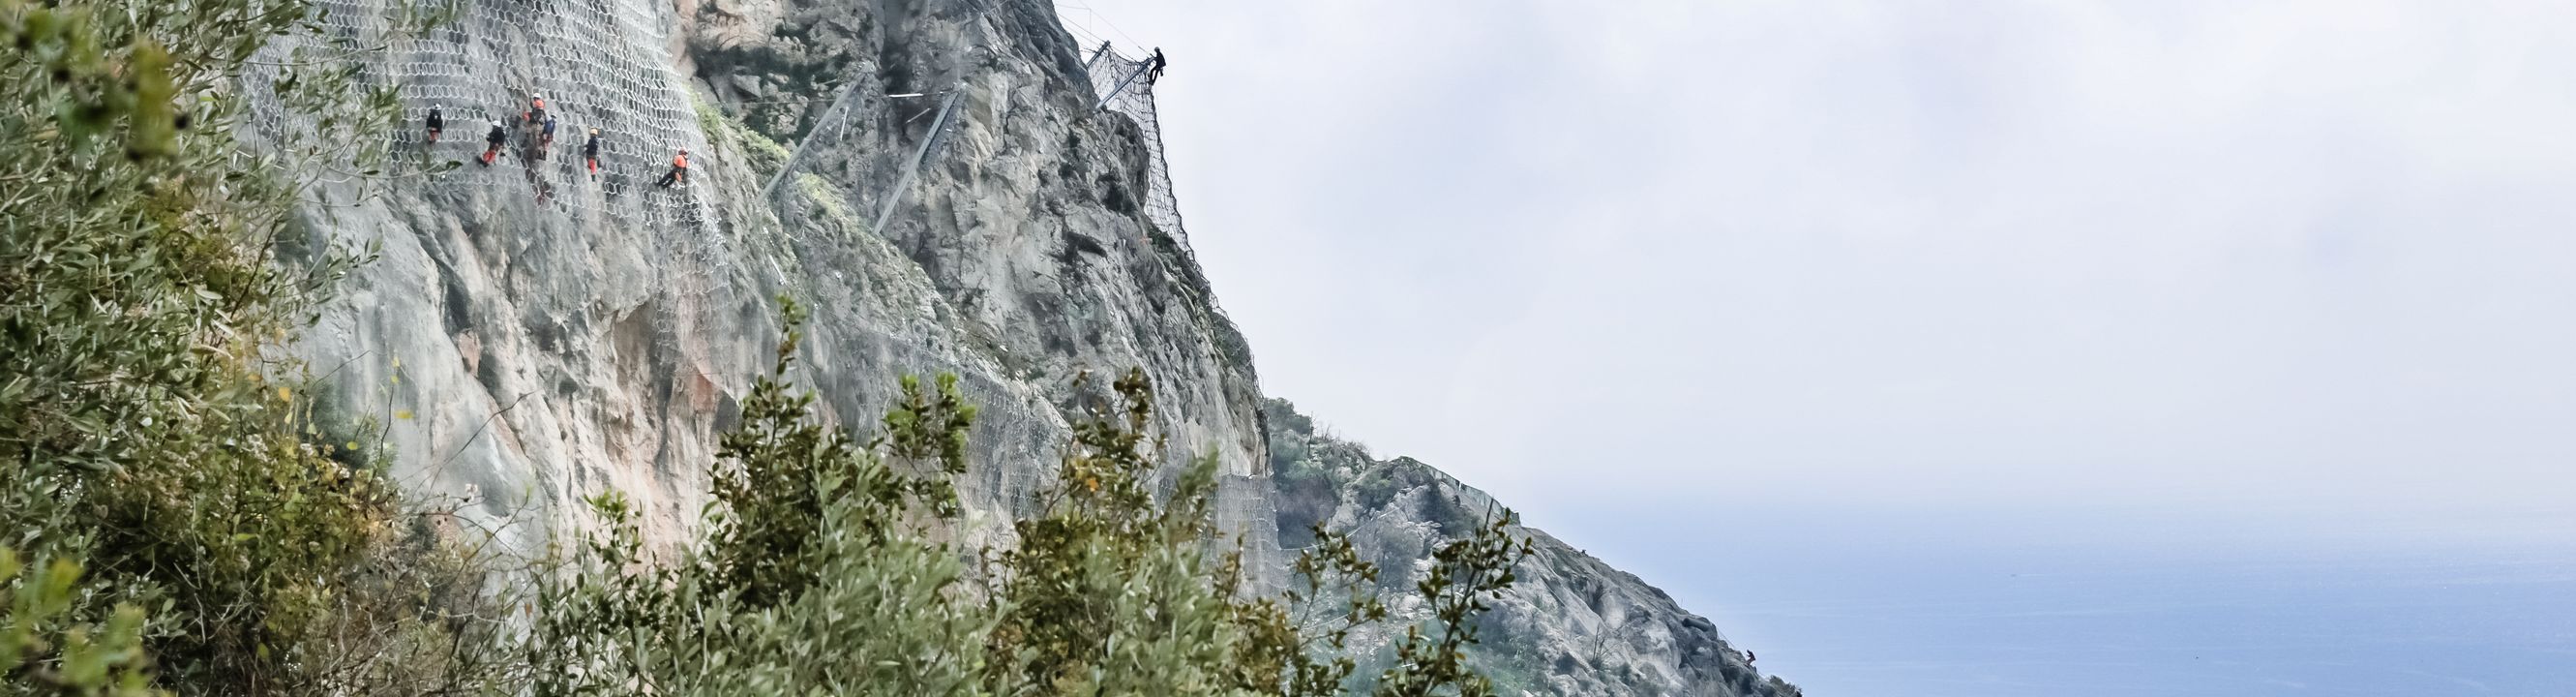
point(825, 570)
point(1465, 574)
point(818, 574)
point(1109, 592)
point(150, 431)
point(158, 452)
point(43, 650)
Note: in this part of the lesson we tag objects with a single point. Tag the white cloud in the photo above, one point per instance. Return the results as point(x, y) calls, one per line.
point(1861, 254)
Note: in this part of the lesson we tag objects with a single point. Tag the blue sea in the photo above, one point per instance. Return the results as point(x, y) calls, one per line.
point(2070, 603)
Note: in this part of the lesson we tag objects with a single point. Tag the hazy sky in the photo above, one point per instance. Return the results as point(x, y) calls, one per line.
point(1856, 253)
point(2303, 268)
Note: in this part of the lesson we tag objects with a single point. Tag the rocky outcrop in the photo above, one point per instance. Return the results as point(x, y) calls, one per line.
point(1570, 625)
point(534, 334)
point(546, 335)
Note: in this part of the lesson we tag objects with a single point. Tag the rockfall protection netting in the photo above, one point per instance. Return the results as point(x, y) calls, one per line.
point(1126, 85)
point(590, 59)
point(1120, 83)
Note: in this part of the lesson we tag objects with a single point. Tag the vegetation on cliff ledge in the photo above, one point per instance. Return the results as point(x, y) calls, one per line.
point(178, 513)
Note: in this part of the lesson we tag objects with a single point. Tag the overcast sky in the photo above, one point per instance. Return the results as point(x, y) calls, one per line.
point(1683, 280)
point(1853, 254)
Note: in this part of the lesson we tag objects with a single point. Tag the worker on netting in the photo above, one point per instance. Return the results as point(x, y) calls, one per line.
point(1155, 73)
point(590, 153)
point(437, 123)
point(546, 138)
point(536, 110)
point(679, 170)
point(492, 142)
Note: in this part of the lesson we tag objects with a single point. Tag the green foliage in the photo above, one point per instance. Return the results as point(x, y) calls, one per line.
point(819, 193)
point(1111, 593)
point(1376, 488)
point(43, 651)
point(825, 571)
point(764, 156)
point(1282, 415)
point(818, 574)
point(147, 427)
point(207, 526)
point(778, 474)
point(1332, 567)
point(1464, 574)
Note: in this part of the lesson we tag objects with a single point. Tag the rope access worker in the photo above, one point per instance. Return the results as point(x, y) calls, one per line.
point(536, 110)
point(679, 170)
point(1155, 74)
point(546, 139)
point(492, 142)
point(590, 153)
point(437, 122)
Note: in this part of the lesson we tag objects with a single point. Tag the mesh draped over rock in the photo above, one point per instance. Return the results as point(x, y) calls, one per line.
point(580, 55)
point(1136, 100)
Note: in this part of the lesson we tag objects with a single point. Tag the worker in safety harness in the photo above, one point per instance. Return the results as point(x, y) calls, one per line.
point(590, 153)
point(546, 139)
point(679, 170)
point(492, 142)
point(1155, 73)
point(536, 110)
point(437, 122)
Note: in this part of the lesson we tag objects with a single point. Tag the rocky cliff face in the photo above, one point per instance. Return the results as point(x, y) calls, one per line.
point(551, 335)
point(1571, 625)
point(534, 334)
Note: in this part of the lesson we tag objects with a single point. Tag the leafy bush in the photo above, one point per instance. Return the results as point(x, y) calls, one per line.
point(204, 525)
point(1109, 592)
point(818, 574)
point(1464, 575)
point(826, 570)
point(48, 652)
point(151, 434)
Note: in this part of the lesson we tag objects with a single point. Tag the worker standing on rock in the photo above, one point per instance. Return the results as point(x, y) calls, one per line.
point(437, 122)
point(679, 170)
point(492, 142)
point(590, 153)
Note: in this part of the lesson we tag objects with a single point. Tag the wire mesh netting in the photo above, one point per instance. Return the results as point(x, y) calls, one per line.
point(589, 59)
point(1126, 85)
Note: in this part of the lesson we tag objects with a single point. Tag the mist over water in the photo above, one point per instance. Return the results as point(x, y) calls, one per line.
point(2045, 604)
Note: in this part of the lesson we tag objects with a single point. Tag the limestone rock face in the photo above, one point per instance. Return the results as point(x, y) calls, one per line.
point(552, 335)
point(1570, 625)
point(933, 180)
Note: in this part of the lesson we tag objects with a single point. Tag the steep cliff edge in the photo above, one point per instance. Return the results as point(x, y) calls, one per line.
point(534, 334)
point(1572, 625)
point(551, 335)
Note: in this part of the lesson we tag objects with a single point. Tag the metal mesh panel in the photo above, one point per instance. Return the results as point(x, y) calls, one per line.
point(586, 57)
point(1124, 87)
